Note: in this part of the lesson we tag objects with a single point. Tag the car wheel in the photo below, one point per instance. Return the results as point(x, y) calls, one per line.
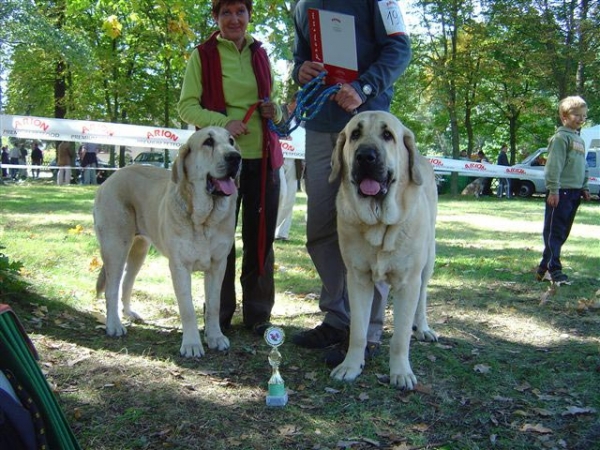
point(526, 189)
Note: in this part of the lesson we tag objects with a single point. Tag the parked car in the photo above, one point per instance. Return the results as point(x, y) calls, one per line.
point(150, 159)
point(537, 161)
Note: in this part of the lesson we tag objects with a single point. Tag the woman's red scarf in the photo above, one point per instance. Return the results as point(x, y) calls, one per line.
point(213, 98)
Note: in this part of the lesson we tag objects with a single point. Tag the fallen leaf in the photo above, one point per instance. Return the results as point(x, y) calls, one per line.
point(289, 430)
point(402, 446)
point(363, 396)
point(538, 428)
point(311, 376)
point(482, 368)
point(72, 362)
point(331, 390)
point(575, 410)
point(543, 412)
point(523, 387)
point(372, 442)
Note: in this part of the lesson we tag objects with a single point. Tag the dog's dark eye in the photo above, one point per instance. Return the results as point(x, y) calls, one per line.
point(209, 142)
point(231, 141)
point(354, 135)
point(387, 135)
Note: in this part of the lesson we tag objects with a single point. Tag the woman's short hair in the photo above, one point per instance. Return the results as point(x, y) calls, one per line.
point(218, 4)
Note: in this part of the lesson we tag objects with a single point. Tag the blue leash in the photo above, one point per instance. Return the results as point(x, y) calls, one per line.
point(306, 107)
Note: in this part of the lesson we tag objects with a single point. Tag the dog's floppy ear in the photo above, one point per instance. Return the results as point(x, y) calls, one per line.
point(337, 157)
point(178, 169)
point(411, 146)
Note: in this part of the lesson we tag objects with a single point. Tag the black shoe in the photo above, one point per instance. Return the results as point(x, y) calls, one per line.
point(322, 336)
point(542, 275)
point(559, 278)
point(337, 354)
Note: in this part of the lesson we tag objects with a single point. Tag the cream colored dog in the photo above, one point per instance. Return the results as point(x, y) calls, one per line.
point(386, 212)
point(188, 214)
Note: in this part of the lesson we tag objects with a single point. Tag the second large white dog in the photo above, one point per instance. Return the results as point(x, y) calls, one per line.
point(386, 213)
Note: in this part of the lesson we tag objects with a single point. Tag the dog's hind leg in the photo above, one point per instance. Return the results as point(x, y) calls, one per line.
point(135, 260)
point(114, 262)
point(421, 330)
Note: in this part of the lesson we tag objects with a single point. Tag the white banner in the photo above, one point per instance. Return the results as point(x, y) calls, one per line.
point(294, 146)
point(478, 169)
point(43, 128)
point(47, 129)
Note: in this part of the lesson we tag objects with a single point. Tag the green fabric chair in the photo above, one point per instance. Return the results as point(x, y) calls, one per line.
point(18, 355)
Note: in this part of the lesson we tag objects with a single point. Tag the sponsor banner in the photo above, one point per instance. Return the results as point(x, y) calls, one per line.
point(478, 169)
point(48, 129)
point(293, 145)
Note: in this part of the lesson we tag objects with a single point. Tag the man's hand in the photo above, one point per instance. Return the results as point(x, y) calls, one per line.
point(586, 195)
point(347, 98)
point(308, 71)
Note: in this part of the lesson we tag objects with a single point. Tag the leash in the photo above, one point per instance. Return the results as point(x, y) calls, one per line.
point(307, 107)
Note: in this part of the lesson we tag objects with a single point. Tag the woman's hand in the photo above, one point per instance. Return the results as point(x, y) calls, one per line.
point(267, 110)
point(236, 128)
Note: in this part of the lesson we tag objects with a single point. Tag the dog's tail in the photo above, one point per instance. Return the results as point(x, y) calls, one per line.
point(101, 282)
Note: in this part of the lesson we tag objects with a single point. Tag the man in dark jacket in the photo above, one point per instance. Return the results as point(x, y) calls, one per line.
point(383, 54)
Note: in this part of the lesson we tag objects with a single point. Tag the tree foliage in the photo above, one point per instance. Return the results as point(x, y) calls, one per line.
point(484, 72)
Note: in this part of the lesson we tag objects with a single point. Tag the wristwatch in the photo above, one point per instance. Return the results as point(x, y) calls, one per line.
point(367, 89)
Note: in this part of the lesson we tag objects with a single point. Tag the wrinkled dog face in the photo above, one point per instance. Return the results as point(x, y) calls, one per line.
point(371, 154)
point(376, 153)
point(212, 157)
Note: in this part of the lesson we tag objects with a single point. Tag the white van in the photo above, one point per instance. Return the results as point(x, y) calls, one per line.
point(537, 161)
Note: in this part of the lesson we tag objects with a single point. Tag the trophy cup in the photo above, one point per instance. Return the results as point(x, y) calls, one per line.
point(277, 395)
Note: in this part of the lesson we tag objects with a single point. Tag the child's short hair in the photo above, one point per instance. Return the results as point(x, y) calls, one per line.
point(568, 104)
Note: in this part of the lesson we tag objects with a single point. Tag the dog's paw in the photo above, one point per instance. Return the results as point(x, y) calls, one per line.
point(345, 372)
point(115, 328)
point(192, 350)
point(220, 343)
point(406, 381)
point(425, 334)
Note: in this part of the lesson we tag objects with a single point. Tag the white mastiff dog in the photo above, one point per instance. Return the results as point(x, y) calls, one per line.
point(386, 212)
point(188, 214)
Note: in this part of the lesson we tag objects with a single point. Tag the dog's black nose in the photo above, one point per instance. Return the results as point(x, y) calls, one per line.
point(233, 157)
point(366, 155)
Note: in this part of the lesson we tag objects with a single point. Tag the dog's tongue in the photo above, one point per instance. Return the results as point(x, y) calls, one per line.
point(225, 185)
point(369, 187)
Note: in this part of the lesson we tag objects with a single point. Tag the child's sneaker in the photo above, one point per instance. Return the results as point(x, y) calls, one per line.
point(543, 275)
point(559, 278)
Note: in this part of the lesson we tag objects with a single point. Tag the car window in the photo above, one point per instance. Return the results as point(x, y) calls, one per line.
point(592, 159)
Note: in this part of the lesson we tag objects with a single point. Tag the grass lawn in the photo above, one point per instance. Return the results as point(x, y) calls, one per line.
point(517, 365)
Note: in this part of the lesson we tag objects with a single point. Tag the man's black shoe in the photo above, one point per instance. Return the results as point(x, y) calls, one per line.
point(322, 336)
point(337, 354)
